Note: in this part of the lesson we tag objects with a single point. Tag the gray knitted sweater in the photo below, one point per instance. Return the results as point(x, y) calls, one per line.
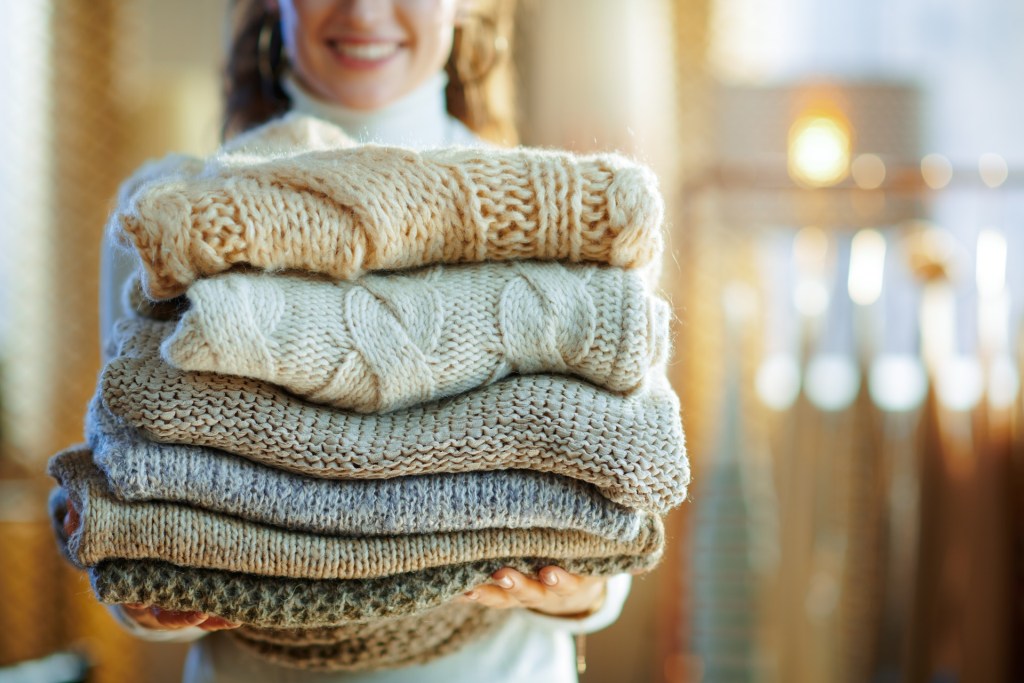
point(194, 537)
point(137, 469)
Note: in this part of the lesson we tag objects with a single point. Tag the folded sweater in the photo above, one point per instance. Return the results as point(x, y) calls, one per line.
point(345, 211)
point(630, 448)
point(362, 646)
point(187, 536)
point(392, 341)
point(137, 469)
point(289, 603)
point(274, 602)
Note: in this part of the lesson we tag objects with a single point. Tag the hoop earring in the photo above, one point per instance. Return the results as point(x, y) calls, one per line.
point(267, 44)
point(495, 49)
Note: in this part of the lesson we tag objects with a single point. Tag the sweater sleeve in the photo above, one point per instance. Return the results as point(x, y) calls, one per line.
point(116, 267)
point(616, 592)
point(117, 264)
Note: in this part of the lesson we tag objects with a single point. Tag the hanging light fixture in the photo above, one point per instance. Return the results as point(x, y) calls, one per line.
point(819, 150)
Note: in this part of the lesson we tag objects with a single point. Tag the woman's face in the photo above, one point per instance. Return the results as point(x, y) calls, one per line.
point(365, 54)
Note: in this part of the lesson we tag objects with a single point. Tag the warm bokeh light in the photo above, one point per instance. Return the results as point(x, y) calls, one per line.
point(810, 249)
point(778, 381)
point(898, 382)
point(990, 269)
point(1003, 382)
point(937, 171)
point(811, 298)
point(993, 169)
point(832, 381)
point(819, 151)
point(868, 171)
point(867, 266)
point(960, 382)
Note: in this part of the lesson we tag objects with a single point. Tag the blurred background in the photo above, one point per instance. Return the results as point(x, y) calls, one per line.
point(846, 193)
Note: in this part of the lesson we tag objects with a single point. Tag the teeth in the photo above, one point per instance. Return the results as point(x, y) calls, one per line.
point(366, 51)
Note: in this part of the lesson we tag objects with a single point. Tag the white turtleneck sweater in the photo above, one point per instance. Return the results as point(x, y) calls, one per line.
point(529, 646)
point(420, 120)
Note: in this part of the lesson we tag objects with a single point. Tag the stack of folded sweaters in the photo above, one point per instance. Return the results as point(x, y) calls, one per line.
point(362, 379)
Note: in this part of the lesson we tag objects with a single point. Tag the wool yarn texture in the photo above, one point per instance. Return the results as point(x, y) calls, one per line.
point(193, 537)
point(137, 470)
point(290, 603)
point(137, 304)
point(345, 211)
point(393, 341)
point(630, 447)
point(275, 602)
point(361, 646)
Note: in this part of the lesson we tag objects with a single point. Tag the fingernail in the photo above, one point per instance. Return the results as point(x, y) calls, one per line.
point(472, 595)
point(550, 578)
point(506, 582)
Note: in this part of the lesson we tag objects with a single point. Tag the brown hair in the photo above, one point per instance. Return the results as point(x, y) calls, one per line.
point(480, 78)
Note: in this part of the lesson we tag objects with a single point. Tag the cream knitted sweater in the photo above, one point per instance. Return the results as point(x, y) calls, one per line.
point(387, 342)
point(345, 211)
point(631, 448)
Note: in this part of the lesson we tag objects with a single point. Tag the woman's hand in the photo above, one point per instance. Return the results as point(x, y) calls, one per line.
point(556, 593)
point(170, 620)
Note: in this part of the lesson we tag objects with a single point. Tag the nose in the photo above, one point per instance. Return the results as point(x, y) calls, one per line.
point(364, 13)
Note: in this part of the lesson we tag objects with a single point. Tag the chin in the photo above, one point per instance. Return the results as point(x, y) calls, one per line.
point(366, 101)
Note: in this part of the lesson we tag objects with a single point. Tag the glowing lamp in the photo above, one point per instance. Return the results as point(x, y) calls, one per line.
point(819, 151)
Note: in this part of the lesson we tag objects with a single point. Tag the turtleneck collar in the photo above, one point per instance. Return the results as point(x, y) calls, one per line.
point(419, 120)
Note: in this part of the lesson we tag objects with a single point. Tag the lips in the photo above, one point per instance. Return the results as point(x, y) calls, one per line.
point(364, 52)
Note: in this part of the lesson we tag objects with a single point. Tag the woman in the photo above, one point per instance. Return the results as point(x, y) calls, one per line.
point(417, 73)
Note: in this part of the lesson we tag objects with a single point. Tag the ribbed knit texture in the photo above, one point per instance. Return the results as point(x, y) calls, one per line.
point(631, 448)
point(369, 641)
point(392, 341)
point(194, 537)
point(382, 645)
point(137, 469)
point(286, 603)
point(343, 212)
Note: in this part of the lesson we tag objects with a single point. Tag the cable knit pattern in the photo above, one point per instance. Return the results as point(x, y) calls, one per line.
point(343, 212)
point(387, 342)
point(194, 537)
point(137, 470)
point(631, 448)
point(384, 645)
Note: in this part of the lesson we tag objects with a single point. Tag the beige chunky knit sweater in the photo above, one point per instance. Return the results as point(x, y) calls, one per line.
point(193, 537)
point(345, 211)
point(630, 448)
point(392, 341)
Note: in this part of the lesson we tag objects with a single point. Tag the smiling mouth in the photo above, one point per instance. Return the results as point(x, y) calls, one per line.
point(364, 51)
